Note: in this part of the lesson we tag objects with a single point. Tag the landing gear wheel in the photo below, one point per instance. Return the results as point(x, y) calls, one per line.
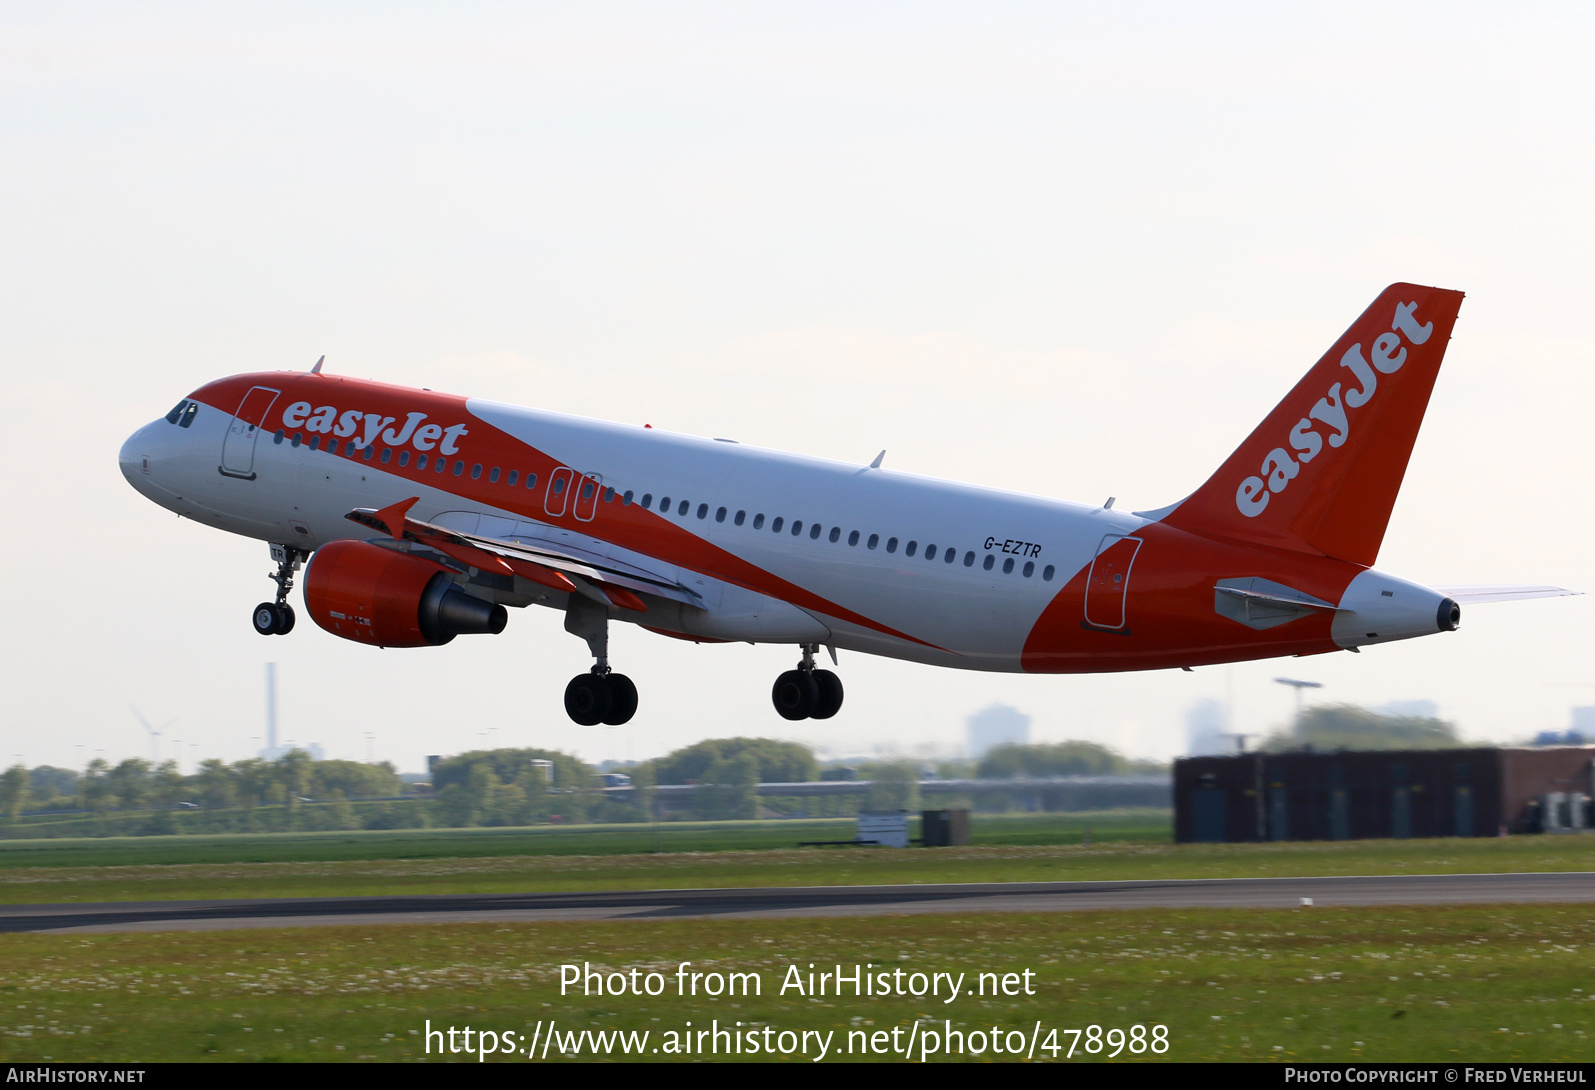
point(267, 619)
point(795, 695)
point(830, 694)
point(587, 699)
point(622, 700)
point(286, 624)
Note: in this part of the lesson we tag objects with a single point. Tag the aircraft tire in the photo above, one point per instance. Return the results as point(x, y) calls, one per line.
point(795, 695)
point(286, 624)
point(266, 619)
point(587, 700)
point(622, 700)
point(830, 694)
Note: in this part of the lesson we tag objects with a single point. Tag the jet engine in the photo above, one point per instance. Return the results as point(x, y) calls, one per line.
point(373, 595)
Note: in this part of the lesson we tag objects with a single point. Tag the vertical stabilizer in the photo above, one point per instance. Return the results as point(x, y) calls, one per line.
point(1321, 472)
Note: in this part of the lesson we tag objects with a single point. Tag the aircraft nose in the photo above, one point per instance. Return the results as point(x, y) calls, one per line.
point(134, 457)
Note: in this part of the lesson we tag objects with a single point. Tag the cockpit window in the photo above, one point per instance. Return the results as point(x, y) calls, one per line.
point(177, 411)
point(189, 414)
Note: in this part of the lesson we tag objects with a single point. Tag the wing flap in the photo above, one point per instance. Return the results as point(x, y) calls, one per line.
point(581, 572)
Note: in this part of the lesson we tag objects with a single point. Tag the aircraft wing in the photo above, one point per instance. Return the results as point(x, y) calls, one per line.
point(577, 571)
point(1479, 595)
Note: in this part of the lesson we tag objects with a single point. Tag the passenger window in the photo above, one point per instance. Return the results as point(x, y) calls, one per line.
point(647, 500)
point(559, 486)
point(797, 527)
point(404, 457)
point(609, 495)
point(531, 480)
point(420, 461)
point(930, 552)
point(387, 455)
point(476, 471)
point(1047, 572)
point(625, 501)
point(514, 478)
point(492, 475)
point(315, 442)
point(703, 510)
point(278, 437)
point(950, 556)
point(758, 521)
point(775, 527)
point(874, 540)
point(814, 532)
point(587, 490)
point(913, 547)
point(459, 467)
point(852, 539)
point(720, 515)
point(742, 516)
point(1030, 568)
point(441, 464)
point(969, 560)
point(332, 446)
point(177, 411)
point(891, 544)
point(365, 452)
point(990, 562)
point(836, 534)
point(681, 508)
point(298, 438)
point(1007, 566)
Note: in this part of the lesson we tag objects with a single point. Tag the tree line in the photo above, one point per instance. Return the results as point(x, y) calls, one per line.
point(499, 787)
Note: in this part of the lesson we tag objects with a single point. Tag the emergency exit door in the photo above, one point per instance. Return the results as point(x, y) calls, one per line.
point(1108, 583)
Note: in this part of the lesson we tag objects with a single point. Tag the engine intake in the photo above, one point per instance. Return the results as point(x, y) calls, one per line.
point(372, 595)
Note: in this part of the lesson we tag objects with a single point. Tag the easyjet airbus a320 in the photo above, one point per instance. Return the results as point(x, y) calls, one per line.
point(426, 514)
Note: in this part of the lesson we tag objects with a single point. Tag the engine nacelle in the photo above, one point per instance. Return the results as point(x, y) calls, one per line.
point(373, 595)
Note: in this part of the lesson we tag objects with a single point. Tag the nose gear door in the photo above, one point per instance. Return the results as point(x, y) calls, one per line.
point(238, 447)
point(1109, 581)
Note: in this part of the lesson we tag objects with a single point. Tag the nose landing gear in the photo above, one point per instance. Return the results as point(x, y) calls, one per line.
point(599, 696)
point(807, 693)
point(277, 618)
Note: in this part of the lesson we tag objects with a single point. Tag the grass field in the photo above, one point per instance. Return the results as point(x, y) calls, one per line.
point(1125, 845)
point(1117, 826)
point(1503, 982)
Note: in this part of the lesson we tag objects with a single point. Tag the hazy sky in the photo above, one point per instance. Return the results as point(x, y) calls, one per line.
point(1073, 249)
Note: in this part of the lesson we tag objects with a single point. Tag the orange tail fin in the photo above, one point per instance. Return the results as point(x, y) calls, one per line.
point(1321, 472)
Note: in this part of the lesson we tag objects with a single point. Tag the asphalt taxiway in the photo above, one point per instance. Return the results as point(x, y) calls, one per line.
point(1416, 889)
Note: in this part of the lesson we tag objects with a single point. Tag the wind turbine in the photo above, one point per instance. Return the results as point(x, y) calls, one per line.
point(155, 735)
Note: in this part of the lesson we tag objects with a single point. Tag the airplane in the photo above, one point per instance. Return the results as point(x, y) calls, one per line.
point(424, 515)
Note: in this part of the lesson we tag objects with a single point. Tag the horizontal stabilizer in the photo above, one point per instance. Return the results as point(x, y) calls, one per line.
point(1471, 596)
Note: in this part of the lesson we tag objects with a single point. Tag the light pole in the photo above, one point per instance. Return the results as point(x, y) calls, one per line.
point(1298, 685)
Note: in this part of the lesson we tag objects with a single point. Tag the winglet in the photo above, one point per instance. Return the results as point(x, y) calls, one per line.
point(392, 516)
point(316, 370)
point(879, 458)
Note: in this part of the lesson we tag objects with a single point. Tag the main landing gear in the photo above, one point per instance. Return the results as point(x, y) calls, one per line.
point(807, 693)
point(600, 695)
point(277, 618)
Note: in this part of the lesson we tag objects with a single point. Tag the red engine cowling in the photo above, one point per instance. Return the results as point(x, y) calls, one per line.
point(373, 595)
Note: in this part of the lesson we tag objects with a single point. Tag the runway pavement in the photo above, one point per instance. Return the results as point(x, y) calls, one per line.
point(1436, 889)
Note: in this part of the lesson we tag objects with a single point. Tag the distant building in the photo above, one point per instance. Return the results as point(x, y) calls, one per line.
point(1206, 727)
point(998, 725)
point(1353, 795)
